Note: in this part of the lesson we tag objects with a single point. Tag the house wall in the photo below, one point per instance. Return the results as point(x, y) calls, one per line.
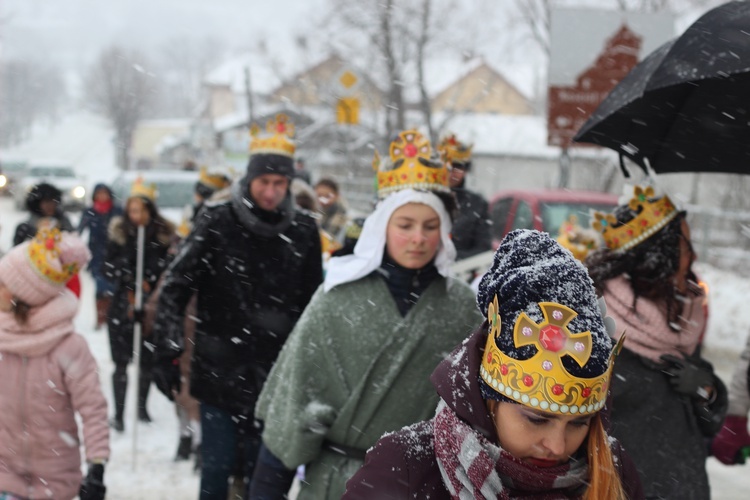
point(482, 91)
point(320, 86)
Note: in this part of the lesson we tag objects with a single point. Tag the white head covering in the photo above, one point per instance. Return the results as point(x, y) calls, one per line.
point(368, 252)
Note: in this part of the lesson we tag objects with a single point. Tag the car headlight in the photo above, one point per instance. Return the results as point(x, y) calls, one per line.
point(78, 192)
point(3, 180)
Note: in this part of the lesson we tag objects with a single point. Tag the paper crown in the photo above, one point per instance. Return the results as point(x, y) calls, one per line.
point(410, 166)
point(542, 381)
point(214, 180)
point(43, 250)
point(281, 130)
point(580, 241)
point(652, 215)
point(142, 190)
point(454, 151)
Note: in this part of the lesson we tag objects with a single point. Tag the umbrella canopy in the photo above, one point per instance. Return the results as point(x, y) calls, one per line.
point(685, 107)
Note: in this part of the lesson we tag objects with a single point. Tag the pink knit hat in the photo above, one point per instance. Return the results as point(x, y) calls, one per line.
point(37, 270)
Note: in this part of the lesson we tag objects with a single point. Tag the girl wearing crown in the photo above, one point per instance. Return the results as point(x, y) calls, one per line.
point(357, 363)
point(47, 376)
point(666, 400)
point(120, 266)
point(520, 406)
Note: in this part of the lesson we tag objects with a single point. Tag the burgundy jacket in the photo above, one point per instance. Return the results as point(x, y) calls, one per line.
point(403, 465)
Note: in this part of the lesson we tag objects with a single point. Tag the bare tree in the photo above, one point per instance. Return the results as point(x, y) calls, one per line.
point(183, 63)
point(28, 92)
point(119, 87)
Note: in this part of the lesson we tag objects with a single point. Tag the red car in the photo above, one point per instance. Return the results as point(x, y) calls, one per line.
point(544, 210)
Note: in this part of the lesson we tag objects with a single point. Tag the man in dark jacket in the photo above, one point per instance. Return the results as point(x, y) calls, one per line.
point(471, 230)
point(254, 262)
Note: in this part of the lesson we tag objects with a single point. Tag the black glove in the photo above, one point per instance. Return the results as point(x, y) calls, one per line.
point(166, 376)
point(691, 376)
point(92, 487)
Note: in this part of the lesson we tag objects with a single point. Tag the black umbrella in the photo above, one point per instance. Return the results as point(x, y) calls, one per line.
point(685, 107)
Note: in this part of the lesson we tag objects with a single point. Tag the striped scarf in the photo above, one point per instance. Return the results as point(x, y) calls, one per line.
point(474, 468)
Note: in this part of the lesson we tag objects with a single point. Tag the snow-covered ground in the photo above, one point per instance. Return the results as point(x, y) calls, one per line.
point(86, 141)
point(154, 474)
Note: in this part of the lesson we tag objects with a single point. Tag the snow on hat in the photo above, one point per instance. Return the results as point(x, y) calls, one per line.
point(37, 270)
point(548, 346)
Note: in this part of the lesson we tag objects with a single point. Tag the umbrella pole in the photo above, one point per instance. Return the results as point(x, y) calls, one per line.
point(137, 334)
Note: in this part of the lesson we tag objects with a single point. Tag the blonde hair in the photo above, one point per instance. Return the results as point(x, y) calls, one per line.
point(604, 480)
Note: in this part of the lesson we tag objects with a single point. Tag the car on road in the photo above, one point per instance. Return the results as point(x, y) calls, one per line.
point(174, 189)
point(11, 172)
point(60, 174)
point(544, 210)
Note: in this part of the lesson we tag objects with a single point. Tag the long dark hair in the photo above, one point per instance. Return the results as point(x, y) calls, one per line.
point(156, 220)
point(650, 265)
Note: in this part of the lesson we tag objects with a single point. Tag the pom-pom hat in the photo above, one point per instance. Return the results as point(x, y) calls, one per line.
point(37, 270)
point(548, 346)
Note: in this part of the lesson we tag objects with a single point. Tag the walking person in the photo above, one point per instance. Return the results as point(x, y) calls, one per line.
point(471, 232)
point(120, 267)
point(96, 219)
point(44, 203)
point(667, 401)
point(212, 187)
point(254, 263)
point(48, 375)
point(357, 363)
point(520, 411)
point(332, 209)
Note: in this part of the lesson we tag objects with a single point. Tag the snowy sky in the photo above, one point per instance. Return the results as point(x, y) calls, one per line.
point(74, 31)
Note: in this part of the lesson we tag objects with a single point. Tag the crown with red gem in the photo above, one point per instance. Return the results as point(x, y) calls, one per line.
point(410, 166)
point(542, 382)
point(280, 130)
point(44, 255)
point(454, 151)
point(652, 215)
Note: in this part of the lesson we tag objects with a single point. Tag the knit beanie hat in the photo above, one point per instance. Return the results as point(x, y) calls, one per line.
point(37, 270)
point(548, 345)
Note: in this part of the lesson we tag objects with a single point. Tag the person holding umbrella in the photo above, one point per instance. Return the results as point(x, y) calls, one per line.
point(666, 400)
point(120, 267)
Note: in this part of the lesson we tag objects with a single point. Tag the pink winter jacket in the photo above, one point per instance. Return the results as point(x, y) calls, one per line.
point(47, 374)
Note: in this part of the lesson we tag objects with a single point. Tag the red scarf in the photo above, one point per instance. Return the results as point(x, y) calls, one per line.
point(473, 467)
point(103, 207)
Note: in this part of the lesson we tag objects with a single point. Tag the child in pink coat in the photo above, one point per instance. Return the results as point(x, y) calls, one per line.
point(47, 375)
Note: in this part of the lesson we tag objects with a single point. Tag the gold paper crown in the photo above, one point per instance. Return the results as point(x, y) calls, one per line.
point(44, 248)
point(575, 238)
point(281, 130)
point(542, 381)
point(411, 166)
point(145, 191)
point(653, 215)
point(213, 180)
point(454, 151)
